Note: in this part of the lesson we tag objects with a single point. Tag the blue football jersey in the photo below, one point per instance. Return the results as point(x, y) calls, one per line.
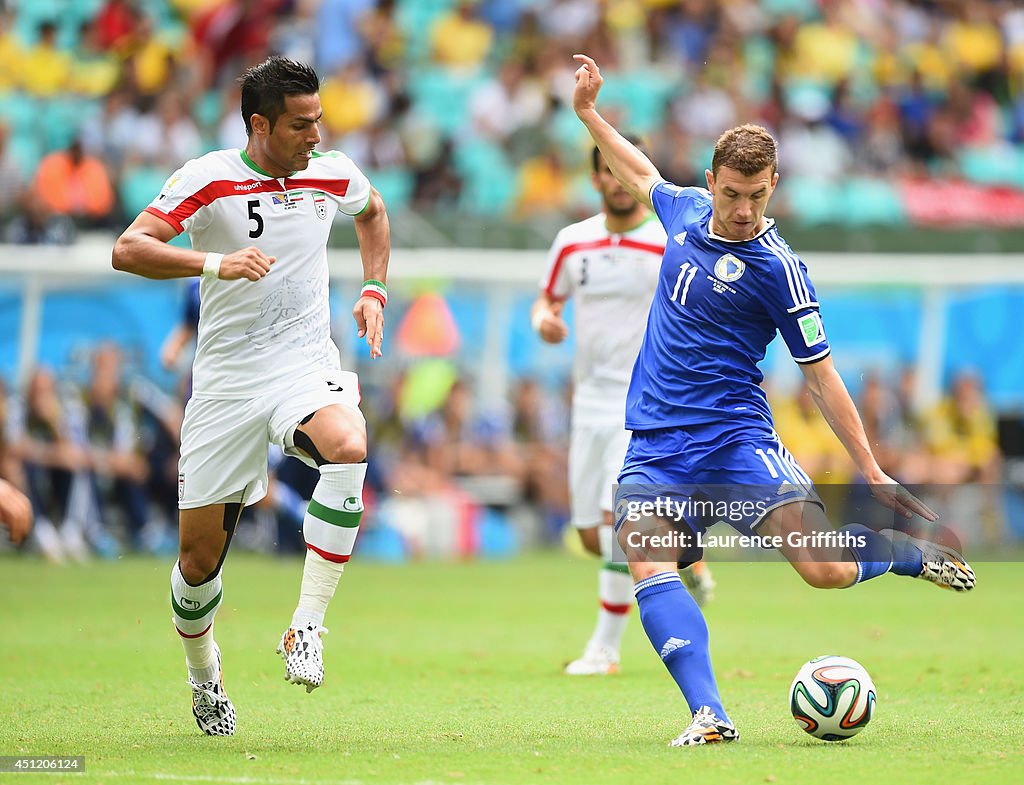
point(717, 306)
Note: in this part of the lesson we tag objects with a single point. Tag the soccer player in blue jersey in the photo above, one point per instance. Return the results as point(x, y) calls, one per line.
point(700, 420)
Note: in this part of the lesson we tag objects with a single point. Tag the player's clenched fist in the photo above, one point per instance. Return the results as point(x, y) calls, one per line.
point(250, 263)
point(588, 83)
point(551, 327)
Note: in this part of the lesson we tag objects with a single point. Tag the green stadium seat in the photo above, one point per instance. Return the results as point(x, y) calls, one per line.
point(992, 165)
point(415, 18)
point(139, 184)
point(395, 186)
point(812, 201)
point(444, 96)
point(642, 94)
point(490, 182)
point(19, 111)
point(871, 202)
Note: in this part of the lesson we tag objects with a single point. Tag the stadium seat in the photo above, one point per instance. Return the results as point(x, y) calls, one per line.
point(443, 96)
point(415, 18)
point(395, 186)
point(19, 111)
point(643, 96)
point(992, 165)
point(139, 184)
point(812, 201)
point(868, 201)
point(490, 181)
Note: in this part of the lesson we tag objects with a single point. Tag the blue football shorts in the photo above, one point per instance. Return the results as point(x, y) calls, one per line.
point(705, 474)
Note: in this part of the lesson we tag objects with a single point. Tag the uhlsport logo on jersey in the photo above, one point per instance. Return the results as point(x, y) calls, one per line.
point(352, 504)
point(320, 203)
point(811, 328)
point(189, 605)
point(728, 268)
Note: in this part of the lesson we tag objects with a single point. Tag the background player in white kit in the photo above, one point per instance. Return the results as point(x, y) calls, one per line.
point(610, 263)
point(266, 369)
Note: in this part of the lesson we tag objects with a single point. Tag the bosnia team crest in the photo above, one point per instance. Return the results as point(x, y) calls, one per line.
point(320, 203)
point(728, 268)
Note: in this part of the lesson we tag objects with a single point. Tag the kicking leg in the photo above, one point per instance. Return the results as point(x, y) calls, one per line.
point(866, 553)
point(335, 439)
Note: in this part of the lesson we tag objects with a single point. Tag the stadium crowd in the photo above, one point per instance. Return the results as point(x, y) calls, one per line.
point(98, 459)
point(464, 104)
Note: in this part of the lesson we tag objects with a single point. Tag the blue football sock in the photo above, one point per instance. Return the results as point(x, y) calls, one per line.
point(880, 554)
point(679, 634)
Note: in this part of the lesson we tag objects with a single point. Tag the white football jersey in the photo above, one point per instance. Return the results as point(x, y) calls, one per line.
point(253, 334)
point(612, 278)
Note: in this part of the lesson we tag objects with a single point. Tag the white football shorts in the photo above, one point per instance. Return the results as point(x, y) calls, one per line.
point(596, 454)
point(224, 442)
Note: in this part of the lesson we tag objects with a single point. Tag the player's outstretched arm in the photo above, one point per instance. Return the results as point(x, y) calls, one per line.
point(546, 318)
point(142, 249)
point(630, 166)
point(373, 230)
point(833, 400)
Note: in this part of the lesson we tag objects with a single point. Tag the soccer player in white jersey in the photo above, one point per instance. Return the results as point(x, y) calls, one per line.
point(610, 264)
point(266, 369)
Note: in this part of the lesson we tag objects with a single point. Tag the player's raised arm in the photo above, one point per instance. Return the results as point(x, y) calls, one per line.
point(142, 249)
point(373, 231)
point(832, 398)
point(630, 166)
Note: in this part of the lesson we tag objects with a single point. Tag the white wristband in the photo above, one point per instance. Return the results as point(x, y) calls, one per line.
point(537, 320)
point(211, 267)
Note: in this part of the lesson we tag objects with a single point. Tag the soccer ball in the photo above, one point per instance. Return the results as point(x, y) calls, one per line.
point(832, 698)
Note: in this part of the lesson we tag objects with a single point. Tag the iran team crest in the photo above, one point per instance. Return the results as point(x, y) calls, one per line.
point(728, 268)
point(320, 204)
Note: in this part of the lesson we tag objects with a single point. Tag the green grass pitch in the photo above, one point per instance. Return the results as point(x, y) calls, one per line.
point(450, 673)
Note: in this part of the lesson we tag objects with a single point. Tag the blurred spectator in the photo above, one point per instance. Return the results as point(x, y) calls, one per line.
point(119, 468)
point(384, 38)
point(961, 432)
point(41, 439)
point(439, 183)
point(10, 173)
point(460, 39)
point(338, 23)
point(11, 52)
point(35, 224)
point(45, 69)
point(543, 185)
point(507, 104)
point(72, 183)
point(96, 70)
point(351, 100)
point(115, 24)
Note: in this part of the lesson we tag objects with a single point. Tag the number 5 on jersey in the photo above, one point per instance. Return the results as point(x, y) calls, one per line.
point(687, 271)
point(255, 216)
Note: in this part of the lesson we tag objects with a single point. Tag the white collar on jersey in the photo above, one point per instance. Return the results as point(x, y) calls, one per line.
point(768, 224)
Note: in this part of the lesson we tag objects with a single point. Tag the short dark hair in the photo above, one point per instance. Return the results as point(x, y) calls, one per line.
point(748, 149)
point(595, 154)
point(265, 86)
